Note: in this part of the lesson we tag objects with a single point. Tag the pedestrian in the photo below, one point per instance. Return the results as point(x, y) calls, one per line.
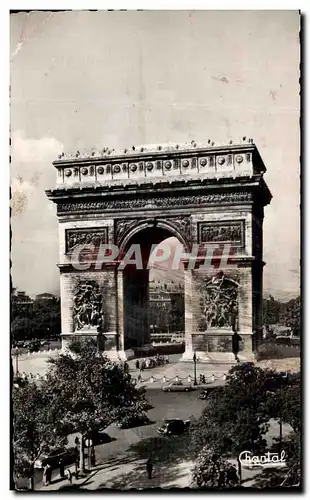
point(147, 363)
point(69, 476)
point(76, 469)
point(61, 468)
point(48, 474)
point(137, 364)
point(93, 458)
point(203, 379)
point(126, 367)
point(236, 339)
point(149, 468)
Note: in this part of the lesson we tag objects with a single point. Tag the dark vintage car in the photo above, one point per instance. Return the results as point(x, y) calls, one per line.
point(68, 455)
point(98, 437)
point(211, 391)
point(177, 386)
point(131, 421)
point(174, 426)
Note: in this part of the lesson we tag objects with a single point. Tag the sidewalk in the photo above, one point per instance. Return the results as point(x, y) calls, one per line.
point(157, 376)
point(127, 473)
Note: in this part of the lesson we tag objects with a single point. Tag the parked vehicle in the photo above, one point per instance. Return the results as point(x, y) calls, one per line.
point(68, 455)
point(177, 386)
point(98, 437)
point(174, 426)
point(206, 393)
point(133, 421)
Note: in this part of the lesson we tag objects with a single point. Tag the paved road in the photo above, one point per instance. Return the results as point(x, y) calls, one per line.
point(165, 405)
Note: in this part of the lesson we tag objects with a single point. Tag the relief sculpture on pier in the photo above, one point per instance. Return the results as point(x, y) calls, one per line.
point(220, 297)
point(87, 306)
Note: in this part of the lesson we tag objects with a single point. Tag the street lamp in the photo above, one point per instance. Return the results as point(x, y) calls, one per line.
point(195, 374)
point(16, 352)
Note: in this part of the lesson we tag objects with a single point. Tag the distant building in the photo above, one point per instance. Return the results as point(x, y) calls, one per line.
point(166, 306)
point(45, 296)
point(20, 297)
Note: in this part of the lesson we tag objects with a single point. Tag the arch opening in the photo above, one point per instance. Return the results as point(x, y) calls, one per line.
point(153, 305)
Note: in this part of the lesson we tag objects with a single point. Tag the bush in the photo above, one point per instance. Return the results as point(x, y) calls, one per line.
point(212, 471)
point(276, 351)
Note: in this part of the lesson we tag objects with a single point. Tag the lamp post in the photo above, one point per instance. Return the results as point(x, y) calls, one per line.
point(16, 352)
point(195, 374)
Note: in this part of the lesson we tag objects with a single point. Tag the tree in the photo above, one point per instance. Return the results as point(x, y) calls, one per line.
point(238, 416)
point(90, 391)
point(235, 419)
point(271, 311)
point(40, 319)
point(285, 405)
point(212, 471)
point(20, 328)
point(36, 427)
point(292, 315)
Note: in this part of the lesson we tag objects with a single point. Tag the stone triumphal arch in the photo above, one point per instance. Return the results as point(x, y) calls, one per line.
point(208, 197)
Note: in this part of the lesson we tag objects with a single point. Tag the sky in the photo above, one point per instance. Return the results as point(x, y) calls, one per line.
point(82, 80)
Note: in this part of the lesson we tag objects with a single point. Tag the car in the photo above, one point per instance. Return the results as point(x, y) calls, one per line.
point(98, 437)
point(206, 393)
point(68, 455)
point(173, 426)
point(133, 421)
point(177, 386)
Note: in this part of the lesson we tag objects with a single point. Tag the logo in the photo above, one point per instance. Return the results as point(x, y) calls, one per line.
point(248, 460)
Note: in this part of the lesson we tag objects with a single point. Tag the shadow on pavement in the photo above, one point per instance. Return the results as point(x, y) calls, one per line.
point(138, 478)
point(163, 449)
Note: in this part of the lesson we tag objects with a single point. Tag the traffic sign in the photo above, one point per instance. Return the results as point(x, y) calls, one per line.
point(88, 443)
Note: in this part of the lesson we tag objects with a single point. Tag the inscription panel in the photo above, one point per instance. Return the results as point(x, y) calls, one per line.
point(221, 232)
point(95, 236)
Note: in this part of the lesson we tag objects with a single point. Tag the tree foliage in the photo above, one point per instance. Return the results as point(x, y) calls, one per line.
point(90, 390)
point(212, 471)
point(234, 421)
point(36, 426)
point(40, 319)
point(82, 392)
point(283, 313)
point(237, 418)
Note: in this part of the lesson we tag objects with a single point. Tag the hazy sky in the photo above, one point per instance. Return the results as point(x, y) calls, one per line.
point(89, 79)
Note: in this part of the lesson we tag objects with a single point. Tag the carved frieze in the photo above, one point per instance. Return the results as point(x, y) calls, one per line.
point(94, 236)
point(158, 202)
point(221, 232)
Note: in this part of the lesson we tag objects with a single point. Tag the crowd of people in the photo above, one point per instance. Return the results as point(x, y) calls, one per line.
point(158, 360)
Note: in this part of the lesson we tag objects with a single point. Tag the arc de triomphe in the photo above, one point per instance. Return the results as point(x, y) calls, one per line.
point(206, 195)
